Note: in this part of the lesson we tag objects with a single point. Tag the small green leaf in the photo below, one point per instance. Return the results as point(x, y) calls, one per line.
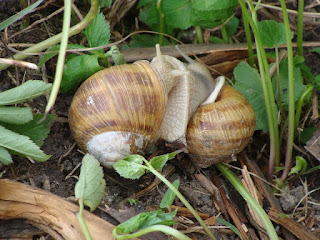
point(146, 219)
point(15, 115)
point(116, 55)
point(159, 161)
point(177, 13)
point(105, 3)
point(77, 69)
point(55, 50)
point(29, 90)
point(130, 167)
point(169, 196)
point(91, 185)
point(307, 134)
point(5, 156)
point(248, 83)
point(300, 167)
point(19, 15)
point(317, 49)
point(98, 32)
point(231, 226)
point(36, 131)
point(272, 33)
point(146, 40)
point(317, 82)
point(21, 145)
point(232, 25)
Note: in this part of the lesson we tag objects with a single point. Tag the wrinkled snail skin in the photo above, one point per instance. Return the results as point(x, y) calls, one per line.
point(221, 129)
point(121, 110)
point(117, 111)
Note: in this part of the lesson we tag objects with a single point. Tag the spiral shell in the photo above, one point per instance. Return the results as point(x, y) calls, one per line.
point(221, 129)
point(118, 111)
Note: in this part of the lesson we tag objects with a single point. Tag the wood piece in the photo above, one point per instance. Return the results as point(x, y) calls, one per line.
point(42, 208)
point(296, 228)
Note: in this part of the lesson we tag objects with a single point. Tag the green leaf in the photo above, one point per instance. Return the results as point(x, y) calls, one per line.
point(55, 50)
point(105, 3)
point(159, 161)
point(272, 33)
point(283, 76)
point(21, 145)
point(19, 15)
point(177, 13)
point(5, 156)
point(146, 40)
point(209, 5)
point(307, 134)
point(317, 49)
point(146, 219)
point(91, 185)
point(98, 32)
point(36, 131)
point(300, 167)
point(231, 226)
point(232, 25)
point(29, 90)
point(130, 167)
point(116, 55)
point(317, 82)
point(15, 115)
point(169, 196)
point(248, 83)
point(77, 69)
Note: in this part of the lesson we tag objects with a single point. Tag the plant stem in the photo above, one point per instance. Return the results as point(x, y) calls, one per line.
point(82, 222)
point(181, 197)
point(249, 199)
point(290, 93)
point(163, 228)
point(249, 41)
point(300, 27)
point(161, 20)
point(224, 34)
point(199, 34)
point(305, 95)
point(61, 57)
point(57, 38)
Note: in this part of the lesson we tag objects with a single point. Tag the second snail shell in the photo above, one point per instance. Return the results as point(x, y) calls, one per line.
point(220, 129)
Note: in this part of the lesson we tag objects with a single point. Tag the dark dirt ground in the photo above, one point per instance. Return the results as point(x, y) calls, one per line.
point(59, 174)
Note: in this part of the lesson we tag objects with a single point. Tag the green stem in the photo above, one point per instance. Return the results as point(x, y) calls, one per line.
point(249, 199)
point(249, 41)
point(161, 19)
point(303, 98)
point(266, 87)
point(199, 34)
point(83, 224)
point(224, 34)
point(163, 228)
point(57, 38)
point(61, 57)
point(290, 93)
point(181, 197)
point(300, 27)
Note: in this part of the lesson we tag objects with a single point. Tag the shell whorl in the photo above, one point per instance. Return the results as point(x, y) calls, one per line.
point(220, 129)
point(126, 98)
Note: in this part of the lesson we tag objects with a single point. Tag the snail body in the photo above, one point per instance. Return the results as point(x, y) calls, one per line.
point(122, 109)
point(220, 129)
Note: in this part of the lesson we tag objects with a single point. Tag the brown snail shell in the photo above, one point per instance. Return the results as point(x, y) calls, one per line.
point(220, 129)
point(117, 111)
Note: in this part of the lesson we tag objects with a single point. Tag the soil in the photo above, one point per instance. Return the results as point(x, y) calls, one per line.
point(59, 174)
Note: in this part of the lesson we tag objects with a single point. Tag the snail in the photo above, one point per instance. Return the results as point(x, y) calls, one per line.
point(122, 109)
point(221, 127)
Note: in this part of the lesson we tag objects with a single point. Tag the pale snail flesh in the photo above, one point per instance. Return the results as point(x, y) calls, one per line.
point(220, 129)
point(120, 110)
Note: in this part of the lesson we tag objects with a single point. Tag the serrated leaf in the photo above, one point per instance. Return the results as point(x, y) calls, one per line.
point(159, 161)
point(19, 15)
point(146, 219)
point(209, 5)
point(77, 69)
point(5, 156)
point(130, 167)
point(21, 145)
point(283, 76)
point(272, 33)
point(248, 83)
point(29, 90)
point(177, 13)
point(169, 196)
point(15, 115)
point(98, 32)
point(36, 131)
point(91, 184)
point(55, 50)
